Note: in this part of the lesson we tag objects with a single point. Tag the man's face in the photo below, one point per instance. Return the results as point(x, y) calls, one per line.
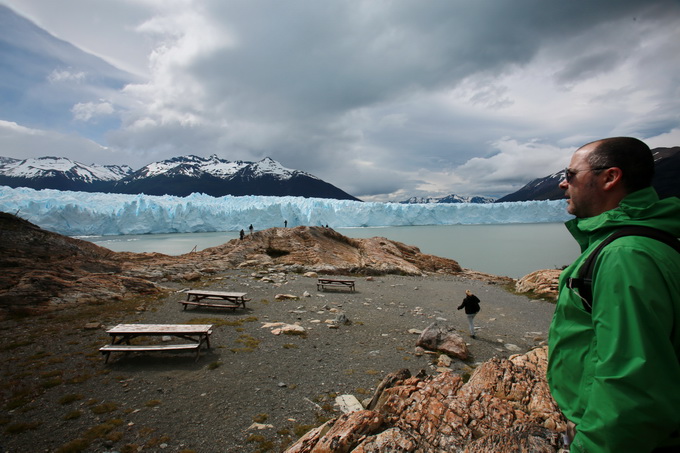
point(581, 190)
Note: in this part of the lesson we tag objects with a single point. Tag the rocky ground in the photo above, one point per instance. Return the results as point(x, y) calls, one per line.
point(253, 390)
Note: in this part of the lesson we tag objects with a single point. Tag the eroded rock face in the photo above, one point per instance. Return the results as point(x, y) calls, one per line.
point(42, 269)
point(324, 250)
point(504, 407)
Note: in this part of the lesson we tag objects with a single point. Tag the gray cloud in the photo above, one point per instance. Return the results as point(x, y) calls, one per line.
point(383, 99)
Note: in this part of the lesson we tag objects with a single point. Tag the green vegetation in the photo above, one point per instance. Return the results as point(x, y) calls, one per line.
point(73, 415)
point(260, 418)
point(74, 446)
point(20, 427)
point(70, 398)
point(104, 408)
point(249, 343)
point(214, 365)
point(263, 443)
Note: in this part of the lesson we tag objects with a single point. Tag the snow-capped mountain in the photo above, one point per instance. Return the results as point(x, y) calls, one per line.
point(179, 176)
point(213, 165)
point(453, 198)
point(45, 167)
point(59, 173)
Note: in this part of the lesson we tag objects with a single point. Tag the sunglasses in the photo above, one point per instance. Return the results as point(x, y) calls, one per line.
point(569, 173)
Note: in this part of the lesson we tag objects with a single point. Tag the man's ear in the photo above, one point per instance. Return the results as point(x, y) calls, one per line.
point(613, 178)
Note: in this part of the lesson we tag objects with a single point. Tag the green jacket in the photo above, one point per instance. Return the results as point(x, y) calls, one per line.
point(616, 373)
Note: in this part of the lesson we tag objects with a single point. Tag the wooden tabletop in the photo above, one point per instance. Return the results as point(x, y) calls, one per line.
point(216, 293)
point(124, 329)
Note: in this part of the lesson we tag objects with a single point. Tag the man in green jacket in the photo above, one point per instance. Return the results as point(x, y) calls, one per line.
point(615, 372)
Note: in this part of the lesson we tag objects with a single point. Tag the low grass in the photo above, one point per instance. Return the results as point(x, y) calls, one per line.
point(16, 403)
point(52, 382)
point(260, 418)
point(74, 446)
point(16, 344)
point(249, 343)
point(78, 379)
point(156, 441)
point(104, 408)
point(301, 430)
point(73, 415)
point(20, 427)
point(214, 365)
point(217, 322)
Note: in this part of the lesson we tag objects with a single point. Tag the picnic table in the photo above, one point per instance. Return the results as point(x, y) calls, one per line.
point(322, 283)
point(122, 334)
point(215, 299)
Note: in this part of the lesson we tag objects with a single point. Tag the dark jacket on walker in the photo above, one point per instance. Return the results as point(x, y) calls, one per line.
point(470, 304)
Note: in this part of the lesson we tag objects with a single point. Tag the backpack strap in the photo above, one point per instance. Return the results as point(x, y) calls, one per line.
point(584, 281)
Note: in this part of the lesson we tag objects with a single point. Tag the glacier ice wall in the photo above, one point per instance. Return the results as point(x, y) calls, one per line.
point(83, 214)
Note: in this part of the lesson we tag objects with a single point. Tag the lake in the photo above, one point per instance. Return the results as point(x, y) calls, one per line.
point(512, 250)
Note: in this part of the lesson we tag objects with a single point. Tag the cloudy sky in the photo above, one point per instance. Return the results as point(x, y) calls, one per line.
point(384, 99)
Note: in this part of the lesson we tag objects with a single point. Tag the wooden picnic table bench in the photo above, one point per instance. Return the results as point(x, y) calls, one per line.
point(215, 299)
point(122, 334)
point(322, 283)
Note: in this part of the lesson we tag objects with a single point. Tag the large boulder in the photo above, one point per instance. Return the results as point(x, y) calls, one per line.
point(541, 283)
point(443, 339)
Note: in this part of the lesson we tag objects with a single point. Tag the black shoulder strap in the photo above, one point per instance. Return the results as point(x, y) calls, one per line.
point(584, 282)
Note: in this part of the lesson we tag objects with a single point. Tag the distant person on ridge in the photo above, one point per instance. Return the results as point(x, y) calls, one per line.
point(251, 228)
point(471, 306)
point(242, 234)
point(614, 341)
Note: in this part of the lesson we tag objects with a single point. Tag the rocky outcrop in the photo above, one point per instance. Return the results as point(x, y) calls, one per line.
point(324, 250)
point(42, 269)
point(504, 407)
point(542, 283)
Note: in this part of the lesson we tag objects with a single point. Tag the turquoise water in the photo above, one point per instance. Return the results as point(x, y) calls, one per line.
point(513, 250)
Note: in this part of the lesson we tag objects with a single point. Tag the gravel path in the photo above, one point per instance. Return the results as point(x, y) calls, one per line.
point(253, 390)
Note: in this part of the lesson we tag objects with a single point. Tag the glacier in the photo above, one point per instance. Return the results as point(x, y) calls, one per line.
point(100, 214)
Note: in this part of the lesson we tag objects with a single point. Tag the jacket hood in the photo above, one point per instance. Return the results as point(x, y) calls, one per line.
point(643, 208)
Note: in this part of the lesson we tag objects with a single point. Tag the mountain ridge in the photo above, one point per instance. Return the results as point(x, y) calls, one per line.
point(452, 198)
point(179, 176)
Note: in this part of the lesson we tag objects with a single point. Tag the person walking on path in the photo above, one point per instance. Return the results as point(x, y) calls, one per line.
point(471, 306)
point(614, 341)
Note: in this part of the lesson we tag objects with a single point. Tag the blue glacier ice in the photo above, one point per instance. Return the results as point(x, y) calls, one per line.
point(85, 214)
